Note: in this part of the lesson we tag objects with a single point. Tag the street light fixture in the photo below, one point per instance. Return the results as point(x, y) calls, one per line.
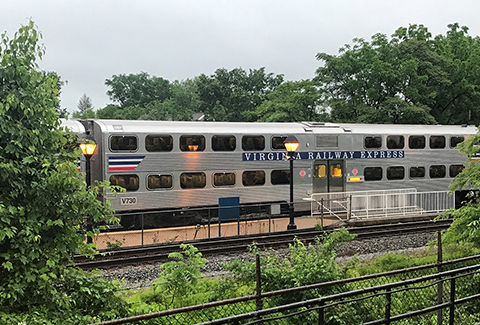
point(88, 148)
point(291, 144)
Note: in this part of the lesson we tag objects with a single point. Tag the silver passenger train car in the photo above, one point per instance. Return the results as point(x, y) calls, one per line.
point(173, 166)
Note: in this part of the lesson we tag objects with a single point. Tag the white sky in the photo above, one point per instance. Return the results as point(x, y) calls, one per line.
point(88, 41)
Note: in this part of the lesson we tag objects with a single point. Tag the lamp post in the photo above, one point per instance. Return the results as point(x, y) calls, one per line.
point(291, 144)
point(88, 148)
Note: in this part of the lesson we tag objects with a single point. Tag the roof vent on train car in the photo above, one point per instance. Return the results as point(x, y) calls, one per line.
point(347, 129)
point(308, 126)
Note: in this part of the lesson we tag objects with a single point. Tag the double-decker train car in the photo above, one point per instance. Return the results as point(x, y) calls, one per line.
point(171, 166)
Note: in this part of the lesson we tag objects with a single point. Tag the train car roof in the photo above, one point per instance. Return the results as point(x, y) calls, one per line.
point(73, 125)
point(202, 127)
point(408, 129)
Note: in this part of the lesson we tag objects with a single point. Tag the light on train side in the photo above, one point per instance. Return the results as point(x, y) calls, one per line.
point(355, 179)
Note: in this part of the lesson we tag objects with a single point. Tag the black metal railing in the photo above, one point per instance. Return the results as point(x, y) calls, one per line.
point(420, 294)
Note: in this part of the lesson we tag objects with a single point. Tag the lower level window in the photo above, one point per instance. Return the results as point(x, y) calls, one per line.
point(437, 171)
point(193, 180)
point(159, 181)
point(397, 172)
point(372, 173)
point(253, 178)
point(417, 172)
point(455, 170)
point(224, 179)
point(128, 182)
point(280, 177)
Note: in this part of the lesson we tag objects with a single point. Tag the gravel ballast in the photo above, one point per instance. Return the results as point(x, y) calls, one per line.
point(141, 276)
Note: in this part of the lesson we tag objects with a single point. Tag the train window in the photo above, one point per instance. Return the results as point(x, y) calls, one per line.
point(253, 178)
point(224, 179)
point(455, 170)
point(372, 173)
point(454, 141)
point(192, 143)
point(193, 180)
point(154, 143)
point(280, 177)
point(320, 171)
point(437, 141)
point(159, 181)
point(224, 143)
point(416, 142)
point(128, 182)
point(372, 142)
point(253, 142)
point(277, 143)
point(397, 172)
point(395, 142)
point(417, 172)
point(437, 171)
point(336, 170)
point(123, 143)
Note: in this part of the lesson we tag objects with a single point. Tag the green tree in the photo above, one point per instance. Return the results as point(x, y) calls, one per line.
point(180, 106)
point(466, 225)
point(227, 95)
point(289, 102)
point(110, 112)
point(437, 79)
point(84, 104)
point(179, 277)
point(43, 198)
point(137, 90)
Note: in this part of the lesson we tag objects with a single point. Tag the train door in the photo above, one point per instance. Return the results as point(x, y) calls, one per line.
point(328, 176)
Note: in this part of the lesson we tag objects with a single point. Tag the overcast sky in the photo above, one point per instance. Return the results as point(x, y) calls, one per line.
point(88, 41)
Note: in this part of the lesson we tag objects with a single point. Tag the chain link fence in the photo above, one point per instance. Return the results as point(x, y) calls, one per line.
point(432, 294)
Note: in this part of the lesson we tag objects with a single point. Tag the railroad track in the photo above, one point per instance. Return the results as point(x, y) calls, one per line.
point(105, 259)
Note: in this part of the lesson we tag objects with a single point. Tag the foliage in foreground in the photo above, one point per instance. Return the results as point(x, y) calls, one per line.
point(43, 199)
point(465, 228)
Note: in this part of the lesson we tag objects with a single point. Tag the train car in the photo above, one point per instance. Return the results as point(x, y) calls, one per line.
point(76, 127)
point(174, 166)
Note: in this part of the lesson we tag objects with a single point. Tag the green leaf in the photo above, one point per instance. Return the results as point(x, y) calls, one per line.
point(7, 265)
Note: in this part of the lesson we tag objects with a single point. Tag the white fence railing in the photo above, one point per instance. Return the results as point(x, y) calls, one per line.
point(365, 204)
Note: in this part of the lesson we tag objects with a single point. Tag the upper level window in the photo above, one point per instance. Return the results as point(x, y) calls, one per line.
point(192, 143)
point(128, 182)
point(253, 142)
point(193, 180)
point(277, 143)
point(372, 173)
point(454, 141)
point(159, 181)
point(253, 178)
point(224, 179)
point(397, 172)
point(123, 143)
point(437, 171)
point(437, 142)
point(224, 143)
point(372, 142)
point(395, 142)
point(154, 143)
point(416, 142)
point(280, 177)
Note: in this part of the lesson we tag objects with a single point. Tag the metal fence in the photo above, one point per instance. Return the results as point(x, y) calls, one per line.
point(203, 223)
point(380, 203)
point(441, 293)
